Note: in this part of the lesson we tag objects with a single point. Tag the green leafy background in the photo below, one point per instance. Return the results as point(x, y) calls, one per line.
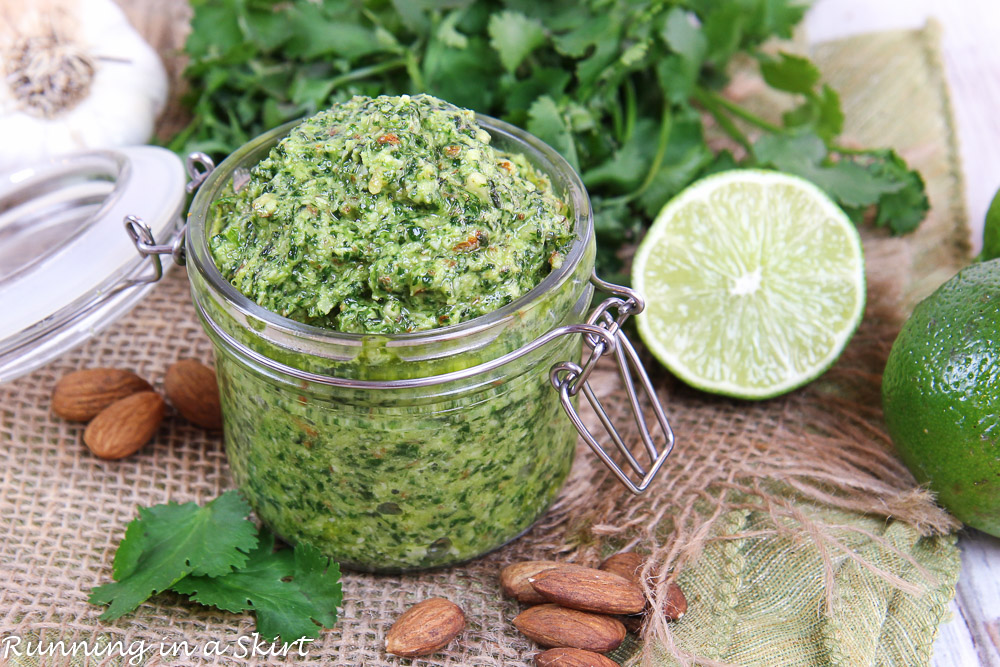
point(624, 89)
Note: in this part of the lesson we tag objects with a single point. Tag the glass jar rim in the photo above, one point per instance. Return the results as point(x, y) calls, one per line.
point(552, 163)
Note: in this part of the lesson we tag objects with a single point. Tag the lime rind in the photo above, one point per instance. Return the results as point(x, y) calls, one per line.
point(991, 231)
point(754, 282)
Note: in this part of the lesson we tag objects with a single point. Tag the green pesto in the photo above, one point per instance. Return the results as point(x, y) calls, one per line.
point(403, 479)
point(389, 215)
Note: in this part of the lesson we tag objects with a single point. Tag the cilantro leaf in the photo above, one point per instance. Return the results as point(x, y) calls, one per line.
point(627, 167)
point(318, 34)
point(856, 180)
point(724, 29)
point(793, 74)
point(215, 29)
point(447, 71)
point(851, 184)
point(547, 123)
point(678, 71)
point(449, 34)
point(543, 81)
point(821, 112)
point(686, 156)
point(268, 26)
point(804, 154)
point(608, 221)
point(777, 18)
point(830, 117)
point(684, 36)
point(760, 19)
point(673, 176)
point(904, 208)
point(170, 541)
point(514, 36)
point(576, 42)
point(789, 151)
point(677, 77)
point(289, 591)
point(129, 551)
point(593, 68)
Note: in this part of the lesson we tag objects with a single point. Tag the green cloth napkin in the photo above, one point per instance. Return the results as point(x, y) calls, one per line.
point(762, 600)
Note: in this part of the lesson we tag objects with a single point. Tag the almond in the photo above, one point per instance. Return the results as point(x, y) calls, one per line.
point(674, 606)
point(514, 579)
point(125, 426)
point(553, 626)
point(425, 628)
point(627, 564)
point(194, 393)
point(590, 589)
point(675, 603)
point(572, 657)
point(80, 395)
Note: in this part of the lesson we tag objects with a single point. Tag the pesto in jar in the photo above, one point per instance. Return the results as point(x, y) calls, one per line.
point(379, 217)
point(389, 215)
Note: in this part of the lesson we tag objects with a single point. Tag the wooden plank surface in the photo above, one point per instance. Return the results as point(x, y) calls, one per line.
point(971, 53)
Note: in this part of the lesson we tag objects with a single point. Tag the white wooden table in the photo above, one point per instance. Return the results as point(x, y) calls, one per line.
point(971, 45)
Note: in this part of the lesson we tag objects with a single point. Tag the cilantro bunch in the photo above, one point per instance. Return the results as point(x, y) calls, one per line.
point(624, 89)
point(215, 555)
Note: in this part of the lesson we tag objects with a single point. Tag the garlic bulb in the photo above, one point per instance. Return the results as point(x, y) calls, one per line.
point(74, 74)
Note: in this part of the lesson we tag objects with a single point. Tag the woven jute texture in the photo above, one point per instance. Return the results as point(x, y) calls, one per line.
point(798, 536)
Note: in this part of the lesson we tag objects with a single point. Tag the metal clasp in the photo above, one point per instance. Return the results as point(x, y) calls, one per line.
point(570, 379)
point(198, 166)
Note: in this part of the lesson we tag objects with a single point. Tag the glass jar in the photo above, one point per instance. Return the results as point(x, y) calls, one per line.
point(409, 451)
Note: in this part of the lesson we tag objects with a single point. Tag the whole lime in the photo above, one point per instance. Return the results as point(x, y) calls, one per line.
point(941, 395)
point(991, 230)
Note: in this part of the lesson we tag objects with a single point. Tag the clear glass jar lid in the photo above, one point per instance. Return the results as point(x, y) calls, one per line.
point(68, 268)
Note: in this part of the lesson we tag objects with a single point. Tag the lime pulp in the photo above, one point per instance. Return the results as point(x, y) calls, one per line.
point(754, 283)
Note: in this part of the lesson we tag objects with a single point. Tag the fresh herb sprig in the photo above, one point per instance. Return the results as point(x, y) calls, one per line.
point(215, 555)
point(622, 88)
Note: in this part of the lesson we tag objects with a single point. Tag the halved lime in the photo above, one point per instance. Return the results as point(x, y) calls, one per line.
point(754, 282)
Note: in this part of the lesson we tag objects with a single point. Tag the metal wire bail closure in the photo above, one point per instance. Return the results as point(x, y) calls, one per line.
point(569, 379)
point(198, 167)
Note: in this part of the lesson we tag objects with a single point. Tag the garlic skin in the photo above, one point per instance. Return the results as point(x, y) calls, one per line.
point(123, 81)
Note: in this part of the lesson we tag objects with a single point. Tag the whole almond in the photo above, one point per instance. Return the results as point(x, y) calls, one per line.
point(194, 393)
point(514, 579)
point(80, 395)
point(553, 626)
point(674, 606)
point(424, 628)
point(125, 426)
point(627, 564)
point(572, 657)
point(590, 589)
point(675, 603)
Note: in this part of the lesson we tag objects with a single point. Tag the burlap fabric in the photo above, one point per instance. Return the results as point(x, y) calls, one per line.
point(797, 535)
